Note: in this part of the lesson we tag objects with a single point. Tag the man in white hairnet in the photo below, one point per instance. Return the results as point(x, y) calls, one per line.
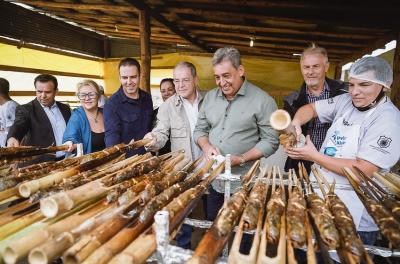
point(364, 133)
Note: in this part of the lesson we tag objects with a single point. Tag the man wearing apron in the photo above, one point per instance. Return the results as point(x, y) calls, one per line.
point(364, 133)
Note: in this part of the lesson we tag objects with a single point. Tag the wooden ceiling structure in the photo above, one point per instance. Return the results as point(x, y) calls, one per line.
point(280, 29)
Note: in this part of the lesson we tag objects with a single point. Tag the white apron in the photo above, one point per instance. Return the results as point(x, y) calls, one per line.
point(342, 142)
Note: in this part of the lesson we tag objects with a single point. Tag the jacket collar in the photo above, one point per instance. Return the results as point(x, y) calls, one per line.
point(178, 100)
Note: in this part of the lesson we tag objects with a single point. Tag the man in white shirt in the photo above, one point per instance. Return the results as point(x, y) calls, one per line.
point(7, 111)
point(177, 116)
point(176, 120)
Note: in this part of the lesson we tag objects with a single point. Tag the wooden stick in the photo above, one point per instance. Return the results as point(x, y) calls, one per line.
point(18, 249)
point(127, 235)
point(393, 188)
point(8, 193)
point(141, 248)
point(19, 224)
point(216, 237)
point(58, 244)
point(255, 203)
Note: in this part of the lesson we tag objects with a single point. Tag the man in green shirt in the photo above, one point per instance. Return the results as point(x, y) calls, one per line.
point(234, 119)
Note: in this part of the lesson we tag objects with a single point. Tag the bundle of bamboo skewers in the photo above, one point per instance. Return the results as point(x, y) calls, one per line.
point(99, 208)
point(381, 205)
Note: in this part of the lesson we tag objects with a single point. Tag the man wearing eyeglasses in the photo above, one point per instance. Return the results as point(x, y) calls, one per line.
point(128, 113)
point(176, 120)
point(42, 121)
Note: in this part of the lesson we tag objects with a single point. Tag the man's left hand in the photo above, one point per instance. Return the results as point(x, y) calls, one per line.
point(308, 152)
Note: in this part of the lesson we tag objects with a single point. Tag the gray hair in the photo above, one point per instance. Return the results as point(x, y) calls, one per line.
point(227, 53)
point(315, 49)
point(188, 65)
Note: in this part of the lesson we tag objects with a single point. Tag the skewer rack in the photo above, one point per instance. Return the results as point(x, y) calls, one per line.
point(167, 253)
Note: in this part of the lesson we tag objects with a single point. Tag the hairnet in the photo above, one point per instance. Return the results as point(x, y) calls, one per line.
point(373, 69)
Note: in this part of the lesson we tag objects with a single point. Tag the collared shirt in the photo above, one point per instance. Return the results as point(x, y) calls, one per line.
point(126, 119)
point(7, 117)
point(192, 112)
point(318, 130)
point(236, 126)
point(57, 124)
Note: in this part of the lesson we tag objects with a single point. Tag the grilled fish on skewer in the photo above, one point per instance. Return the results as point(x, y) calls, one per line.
point(324, 221)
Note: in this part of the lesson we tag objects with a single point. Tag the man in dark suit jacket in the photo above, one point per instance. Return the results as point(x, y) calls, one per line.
point(316, 86)
point(42, 121)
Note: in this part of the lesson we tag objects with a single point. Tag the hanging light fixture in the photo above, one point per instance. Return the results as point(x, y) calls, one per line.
point(251, 44)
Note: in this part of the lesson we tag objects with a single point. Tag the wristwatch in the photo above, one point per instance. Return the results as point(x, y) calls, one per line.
point(242, 160)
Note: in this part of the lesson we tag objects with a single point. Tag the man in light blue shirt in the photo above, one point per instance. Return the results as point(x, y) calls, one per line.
point(42, 121)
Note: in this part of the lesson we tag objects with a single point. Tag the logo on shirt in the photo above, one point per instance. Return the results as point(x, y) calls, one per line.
point(330, 100)
point(346, 123)
point(330, 151)
point(337, 139)
point(384, 142)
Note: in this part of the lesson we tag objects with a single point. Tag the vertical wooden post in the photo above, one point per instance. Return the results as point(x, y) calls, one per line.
point(106, 48)
point(338, 71)
point(395, 89)
point(145, 51)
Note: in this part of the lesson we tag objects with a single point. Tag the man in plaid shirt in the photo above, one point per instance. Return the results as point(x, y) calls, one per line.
point(314, 65)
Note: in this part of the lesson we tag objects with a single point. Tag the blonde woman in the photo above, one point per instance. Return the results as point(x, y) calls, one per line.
point(86, 124)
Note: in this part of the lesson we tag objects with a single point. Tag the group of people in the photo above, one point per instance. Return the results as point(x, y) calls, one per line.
point(346, 124)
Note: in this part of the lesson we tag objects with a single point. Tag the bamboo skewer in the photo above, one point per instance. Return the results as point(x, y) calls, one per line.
point(125, 236)
point(18, 249)
point(87, 245)
point(380, 195)
point(386, 222)
point(271, 250)
point(141, 248)
point(351, 248)
point(13, 191)
point(254, 211)
point(56, 246)
point(216, 237)
point(395, 189)
point(30, 187)
point(290, 252)
point(13, 154)
point(18, 224)
point(64, 201)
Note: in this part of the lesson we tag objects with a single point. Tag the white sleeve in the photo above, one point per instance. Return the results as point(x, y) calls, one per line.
point(10, 113)
point(380, 143)
point(328, 108)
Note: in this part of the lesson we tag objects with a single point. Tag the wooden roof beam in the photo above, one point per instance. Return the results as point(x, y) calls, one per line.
point(317, 13)
point(269, 45)
point(136, 33)
point(273, 52)
point(139, 4)
point(266, 29)
point(202, 32)
point(77, 6)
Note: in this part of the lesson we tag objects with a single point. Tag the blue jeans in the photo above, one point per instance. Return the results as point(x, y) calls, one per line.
point(368, 238)
point(184, 237)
